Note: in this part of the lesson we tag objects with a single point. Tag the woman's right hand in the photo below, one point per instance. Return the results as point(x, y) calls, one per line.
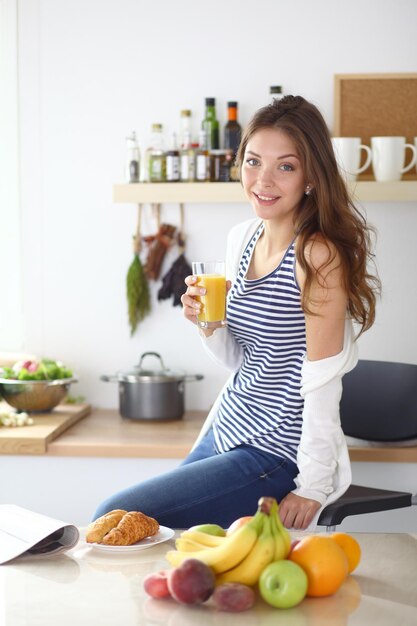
point(190, 306)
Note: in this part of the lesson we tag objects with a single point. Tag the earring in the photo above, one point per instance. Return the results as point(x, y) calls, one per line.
point(308, 190)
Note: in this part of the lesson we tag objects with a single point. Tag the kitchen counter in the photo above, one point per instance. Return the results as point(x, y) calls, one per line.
point(105, 434)
point(86, 586)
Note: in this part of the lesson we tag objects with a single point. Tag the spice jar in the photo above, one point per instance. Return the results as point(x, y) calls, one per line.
point(220, 164)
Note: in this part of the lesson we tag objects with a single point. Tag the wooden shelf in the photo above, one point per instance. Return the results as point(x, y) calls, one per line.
point(209, 193)
point(179, 192)
point(398, 191)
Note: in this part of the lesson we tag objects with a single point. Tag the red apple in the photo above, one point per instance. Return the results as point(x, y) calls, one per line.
point(238, 523)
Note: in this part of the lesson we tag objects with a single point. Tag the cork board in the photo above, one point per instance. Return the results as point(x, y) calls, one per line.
point(368, 105)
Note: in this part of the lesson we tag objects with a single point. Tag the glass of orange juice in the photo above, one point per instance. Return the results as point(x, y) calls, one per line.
point(212, 276)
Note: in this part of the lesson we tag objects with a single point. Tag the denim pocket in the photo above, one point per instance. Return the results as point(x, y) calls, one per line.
point(266, 463)
point(279, 465)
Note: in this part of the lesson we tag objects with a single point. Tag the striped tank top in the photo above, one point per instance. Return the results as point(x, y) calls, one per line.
point(262, 405)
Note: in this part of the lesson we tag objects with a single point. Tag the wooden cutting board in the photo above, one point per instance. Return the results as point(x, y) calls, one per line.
point(34, 439)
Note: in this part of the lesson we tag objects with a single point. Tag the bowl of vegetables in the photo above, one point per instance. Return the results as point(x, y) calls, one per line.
point(36, 385)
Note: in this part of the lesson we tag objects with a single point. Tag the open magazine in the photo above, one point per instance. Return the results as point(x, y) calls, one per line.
point(26, 534)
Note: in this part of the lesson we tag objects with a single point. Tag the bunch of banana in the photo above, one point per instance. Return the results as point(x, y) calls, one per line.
point(242, 556)
point(250, 568)
point(273, 544)
point(192, 540)
point(281, 534)
point(227, 553)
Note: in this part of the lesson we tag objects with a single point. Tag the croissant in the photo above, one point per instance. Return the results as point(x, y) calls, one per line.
point(133, 527)
point(101, 526)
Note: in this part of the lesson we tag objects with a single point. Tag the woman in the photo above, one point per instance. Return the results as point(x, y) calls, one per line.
point(298, 279)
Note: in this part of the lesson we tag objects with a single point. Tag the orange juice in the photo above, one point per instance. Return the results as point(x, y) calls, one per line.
point(213, 311)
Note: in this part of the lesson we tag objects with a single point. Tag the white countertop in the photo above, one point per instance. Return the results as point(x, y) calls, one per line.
point(86, 586)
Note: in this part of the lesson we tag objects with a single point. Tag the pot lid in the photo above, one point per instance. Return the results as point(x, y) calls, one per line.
point(157, 375)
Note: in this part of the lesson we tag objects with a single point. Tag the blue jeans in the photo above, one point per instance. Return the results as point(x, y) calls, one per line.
point(208, 487)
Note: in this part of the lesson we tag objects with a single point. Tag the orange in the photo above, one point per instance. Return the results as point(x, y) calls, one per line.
point(240, 521)
point(324, 562)
point(350, 547)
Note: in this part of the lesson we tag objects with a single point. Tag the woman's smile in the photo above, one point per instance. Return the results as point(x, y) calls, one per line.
point(265, 200)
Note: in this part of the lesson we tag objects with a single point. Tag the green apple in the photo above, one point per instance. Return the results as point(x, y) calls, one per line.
point(282, 585)
point(210, 529)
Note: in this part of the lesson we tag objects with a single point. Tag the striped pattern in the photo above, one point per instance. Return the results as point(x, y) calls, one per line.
point(262, 406)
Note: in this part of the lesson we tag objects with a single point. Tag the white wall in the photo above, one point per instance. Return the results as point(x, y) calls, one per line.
point(10, 250)
point(92, 71)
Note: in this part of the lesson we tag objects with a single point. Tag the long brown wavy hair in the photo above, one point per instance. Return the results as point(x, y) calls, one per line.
point(328, 209)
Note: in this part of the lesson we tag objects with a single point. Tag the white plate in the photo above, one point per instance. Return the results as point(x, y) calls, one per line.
point(162, 535)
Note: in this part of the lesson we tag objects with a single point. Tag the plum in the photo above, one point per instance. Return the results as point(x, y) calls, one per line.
point(233, 597)
point(156, 584)
point(192, 582)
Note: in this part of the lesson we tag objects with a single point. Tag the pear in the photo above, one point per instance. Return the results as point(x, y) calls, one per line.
point(210, 529)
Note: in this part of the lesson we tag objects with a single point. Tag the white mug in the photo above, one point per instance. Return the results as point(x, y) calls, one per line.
point(347, 151)
point(388, 156)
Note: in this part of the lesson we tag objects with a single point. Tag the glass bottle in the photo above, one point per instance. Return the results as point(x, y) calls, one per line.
point(276, 92)
point(232, 136)
point(156, 155)
point(132, 159)
point(187, 160)
point(185, 126)
point(211, 125)
point(173, 161)
point(232, 129)
point(202, 159)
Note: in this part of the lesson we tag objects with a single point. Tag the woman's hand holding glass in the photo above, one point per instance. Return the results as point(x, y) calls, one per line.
point(191, 306)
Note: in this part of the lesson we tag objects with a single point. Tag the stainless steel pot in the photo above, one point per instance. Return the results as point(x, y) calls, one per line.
point(146, 394)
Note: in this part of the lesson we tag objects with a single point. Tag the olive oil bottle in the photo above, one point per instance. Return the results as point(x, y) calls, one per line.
point(211, 125)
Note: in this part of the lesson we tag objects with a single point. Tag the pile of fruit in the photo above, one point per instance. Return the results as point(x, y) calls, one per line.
point(255, 552)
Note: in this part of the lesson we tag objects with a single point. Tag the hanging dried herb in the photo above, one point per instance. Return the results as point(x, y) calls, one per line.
point(138, 297)
point(173, 282)
point(137, 288)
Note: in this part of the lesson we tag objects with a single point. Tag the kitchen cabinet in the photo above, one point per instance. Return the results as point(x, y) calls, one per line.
point(228, 193)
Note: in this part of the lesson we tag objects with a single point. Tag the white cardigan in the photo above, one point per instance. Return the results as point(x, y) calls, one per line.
point(322, 458)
